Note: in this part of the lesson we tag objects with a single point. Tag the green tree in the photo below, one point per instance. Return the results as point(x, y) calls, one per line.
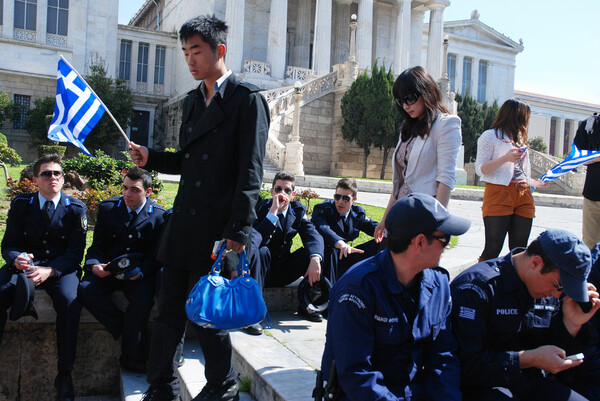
point(7, 156)
point(354, 127)
point(8, 109)
point(118, 99)
point(538, 144)
point(40, 117)
point(475, 119)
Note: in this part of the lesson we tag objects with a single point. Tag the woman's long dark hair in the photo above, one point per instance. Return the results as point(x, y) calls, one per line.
point(512, 120)
point(417, 80)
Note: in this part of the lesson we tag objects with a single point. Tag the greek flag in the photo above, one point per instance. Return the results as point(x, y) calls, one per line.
point(77, 108)
point(575, 159)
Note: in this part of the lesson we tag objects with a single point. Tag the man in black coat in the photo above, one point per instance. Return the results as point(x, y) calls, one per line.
point(222, 144)
point(126, 225)
point(340, 222)
point(278, 221)
point(45, 236)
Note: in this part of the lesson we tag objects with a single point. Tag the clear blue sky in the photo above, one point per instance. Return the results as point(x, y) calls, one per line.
point(561, 39)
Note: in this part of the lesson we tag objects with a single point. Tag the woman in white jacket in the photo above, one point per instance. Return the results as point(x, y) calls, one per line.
point(503, 163)
point(425, 157)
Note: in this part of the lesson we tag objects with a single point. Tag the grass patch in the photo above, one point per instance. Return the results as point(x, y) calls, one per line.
point(245, 384)
point(469, 187)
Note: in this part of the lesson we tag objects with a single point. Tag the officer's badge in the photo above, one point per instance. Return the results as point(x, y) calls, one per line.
point(84, 222)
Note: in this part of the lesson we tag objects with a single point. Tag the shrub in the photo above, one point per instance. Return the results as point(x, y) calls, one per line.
point(538, 144)
point(305, 197)
point(101, 171)
point(19, 187)
point(92, 198)
point(50, 149)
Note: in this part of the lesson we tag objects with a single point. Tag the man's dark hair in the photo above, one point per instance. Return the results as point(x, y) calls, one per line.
point(211, 29)
point(400, 244)
point(136, 173)
point(49, 158)
point(285, 176)
point(348, 183)
point(535, 249)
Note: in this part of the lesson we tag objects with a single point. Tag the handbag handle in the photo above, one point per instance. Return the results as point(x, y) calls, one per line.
point(243, 267)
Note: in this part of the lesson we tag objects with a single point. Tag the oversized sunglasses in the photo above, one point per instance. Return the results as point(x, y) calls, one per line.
point(337, 197)
point(286, 190)
point(444, 239)
point(409, 99)
point(49, 173)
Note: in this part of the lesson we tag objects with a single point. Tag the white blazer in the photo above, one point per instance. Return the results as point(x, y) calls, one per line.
point(432, 158)
point(490, 147)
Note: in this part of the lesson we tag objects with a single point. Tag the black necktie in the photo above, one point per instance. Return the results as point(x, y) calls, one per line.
point(132, 217)
point(48, 211)
point(281, 220)
point(345, 223)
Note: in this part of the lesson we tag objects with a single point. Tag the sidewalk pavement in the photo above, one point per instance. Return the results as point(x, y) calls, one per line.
point(281, 363)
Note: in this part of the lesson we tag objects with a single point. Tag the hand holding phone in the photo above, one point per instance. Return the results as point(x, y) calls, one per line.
point(575, 357)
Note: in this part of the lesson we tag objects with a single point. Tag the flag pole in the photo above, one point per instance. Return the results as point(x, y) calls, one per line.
point(100, 100)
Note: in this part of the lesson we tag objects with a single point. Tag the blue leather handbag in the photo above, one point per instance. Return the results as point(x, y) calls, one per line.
point(218, 303)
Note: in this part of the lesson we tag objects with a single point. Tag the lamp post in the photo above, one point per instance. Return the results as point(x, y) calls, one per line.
point(445, 60)
point(351, 65)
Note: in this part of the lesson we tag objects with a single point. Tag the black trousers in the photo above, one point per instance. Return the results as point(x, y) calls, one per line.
point(531, 389)
point(94, 295)
point(63, 292)
point(168, 329)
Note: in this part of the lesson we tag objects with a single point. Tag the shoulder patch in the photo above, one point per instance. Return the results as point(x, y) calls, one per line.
point(84, 224)
point(466, 313)
point(355, 299)
point(475, 288)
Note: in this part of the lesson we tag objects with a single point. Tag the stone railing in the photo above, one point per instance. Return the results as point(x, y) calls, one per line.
point(256, 67)
point(571, 183)
point(298, 73)
point(281, 103)
point(25, 35)
point(56, 40)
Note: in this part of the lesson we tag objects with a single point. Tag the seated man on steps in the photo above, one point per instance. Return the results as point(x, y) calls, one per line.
point(128, 224)
point(278, 220)
point(340, 222)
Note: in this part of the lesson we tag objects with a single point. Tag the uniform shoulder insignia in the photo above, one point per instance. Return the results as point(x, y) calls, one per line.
point(24, 197)
point(114, 199)
point(249, 86)
point(76, 202)
point(159, 207)
point(354, 299)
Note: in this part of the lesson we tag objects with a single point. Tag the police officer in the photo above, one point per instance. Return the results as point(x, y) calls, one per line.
point(48, 228)
point(388, 330)
point(278, 220)
point(340, 222)
point(126, 225)
point(511, 325)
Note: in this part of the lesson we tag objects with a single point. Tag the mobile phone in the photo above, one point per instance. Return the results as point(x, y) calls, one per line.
point(523, 150)
point(575, 357)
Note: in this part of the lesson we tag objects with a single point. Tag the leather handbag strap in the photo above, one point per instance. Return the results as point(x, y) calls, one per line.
point(216, 268)
point(243, 267)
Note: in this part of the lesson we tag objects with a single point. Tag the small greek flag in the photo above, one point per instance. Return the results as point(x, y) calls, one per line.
point(575, 159)
point(77, 108)
point(466, 313)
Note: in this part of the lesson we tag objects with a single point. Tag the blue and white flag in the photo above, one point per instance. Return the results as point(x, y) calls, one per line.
point(575, 159)
point(77, 108)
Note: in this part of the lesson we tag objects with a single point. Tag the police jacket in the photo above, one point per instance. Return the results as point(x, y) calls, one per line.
point(385, 345)
point(115, 234)
point(279, 239)
point(494, 318)
point(222, 147)
point(330, 224)
point(59, 245)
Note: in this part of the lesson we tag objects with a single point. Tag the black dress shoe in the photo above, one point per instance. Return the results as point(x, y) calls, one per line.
point(254, 330)
point(134, 365)
point(64, 387)
point(312, 316)
point(229, 392)
point(159, 393)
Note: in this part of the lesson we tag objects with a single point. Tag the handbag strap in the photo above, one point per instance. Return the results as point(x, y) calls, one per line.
point(216, 268)
point(243, 265)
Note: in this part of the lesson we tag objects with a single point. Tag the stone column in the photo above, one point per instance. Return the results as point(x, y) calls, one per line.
point(294, 150)
point(322, 42)
point(560, 136)
point(277, 38)
point(416, 38)
point(474, 77)
point(341, 33)
point(572, 131)
point(402, 47)
point(134, 64)
point(41, 23)
point(364, 34)
point(459, 74)
point(434, 42)
point(151, 64)
point(301, 51)
point(234, 16)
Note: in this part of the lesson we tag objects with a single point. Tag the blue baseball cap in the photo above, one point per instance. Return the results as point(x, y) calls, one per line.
point(422, 214)
point(573, 259)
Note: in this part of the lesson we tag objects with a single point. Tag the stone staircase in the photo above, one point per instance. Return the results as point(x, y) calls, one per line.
point(570, 183)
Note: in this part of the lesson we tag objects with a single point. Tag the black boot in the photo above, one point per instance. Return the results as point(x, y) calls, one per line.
point(64, 386)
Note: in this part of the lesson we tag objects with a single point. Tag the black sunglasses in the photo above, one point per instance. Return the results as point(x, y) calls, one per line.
point(49, 173)
point(337, 197)
point(409, 99)
point(286, 190)
point(444, 239)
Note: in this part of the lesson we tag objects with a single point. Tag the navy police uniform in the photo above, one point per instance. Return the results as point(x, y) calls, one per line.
point(117, 233)
point(222, 148)
point(335, 227)
point(494, 318)
point(274, 264)
point(391, 342)
point(60, 245)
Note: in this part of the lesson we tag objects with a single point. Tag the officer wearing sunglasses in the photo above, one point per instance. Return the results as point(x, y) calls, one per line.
point(340, 222)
